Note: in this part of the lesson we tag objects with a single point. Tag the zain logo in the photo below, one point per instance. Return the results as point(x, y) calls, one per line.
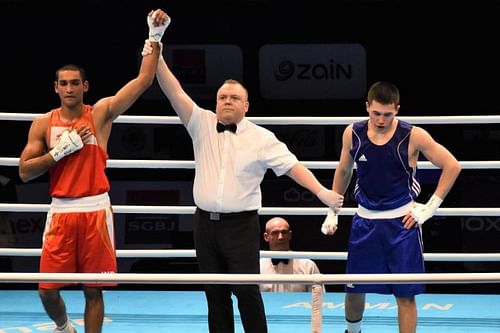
point(285, 70)
point(330, 70)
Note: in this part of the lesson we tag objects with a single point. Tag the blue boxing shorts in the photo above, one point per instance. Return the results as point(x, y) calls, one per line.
point(384, 246)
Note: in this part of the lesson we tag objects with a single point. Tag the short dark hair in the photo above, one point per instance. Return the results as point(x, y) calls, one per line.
point(383, 92)
point(72, 67)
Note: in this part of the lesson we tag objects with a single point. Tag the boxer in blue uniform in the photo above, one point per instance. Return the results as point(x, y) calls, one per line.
point(385, 235)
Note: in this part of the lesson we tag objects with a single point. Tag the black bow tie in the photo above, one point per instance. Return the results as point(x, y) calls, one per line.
point(221, 127)
point(276, 261)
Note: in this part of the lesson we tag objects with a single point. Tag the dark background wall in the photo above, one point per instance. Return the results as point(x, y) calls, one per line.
point(443, 57)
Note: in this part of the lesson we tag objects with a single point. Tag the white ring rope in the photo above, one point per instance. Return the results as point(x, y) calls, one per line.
point(263, 254)
point(284, 120)
point(261, 278)
point(127, 209)
point(184, 164)
point(251, 278)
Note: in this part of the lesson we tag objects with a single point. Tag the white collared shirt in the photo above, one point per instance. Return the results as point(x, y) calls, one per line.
point(231, 166)
point(294, 266)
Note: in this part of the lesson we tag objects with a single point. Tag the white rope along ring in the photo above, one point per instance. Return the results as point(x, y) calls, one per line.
point(124, 209)
point(322, 279)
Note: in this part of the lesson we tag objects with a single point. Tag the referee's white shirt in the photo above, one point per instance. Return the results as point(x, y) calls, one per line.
point(231, 166)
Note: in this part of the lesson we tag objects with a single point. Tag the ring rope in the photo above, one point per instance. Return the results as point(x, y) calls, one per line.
point(185, 164)
point(127, 209)
point(285, 120)
point(222, 278)
point(250, 278)
point(280, 278)
point(263, 254)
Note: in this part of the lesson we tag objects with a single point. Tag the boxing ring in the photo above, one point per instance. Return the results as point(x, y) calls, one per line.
point(176, 311)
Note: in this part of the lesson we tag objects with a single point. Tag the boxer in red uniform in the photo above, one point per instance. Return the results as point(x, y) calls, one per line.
point(71, 143)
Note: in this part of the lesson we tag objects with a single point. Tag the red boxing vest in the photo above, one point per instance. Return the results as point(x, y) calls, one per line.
point(82, 173)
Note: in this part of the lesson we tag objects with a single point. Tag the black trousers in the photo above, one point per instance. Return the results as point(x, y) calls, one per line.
point(230, 245)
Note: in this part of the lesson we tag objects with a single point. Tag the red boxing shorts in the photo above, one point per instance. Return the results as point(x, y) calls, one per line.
point(79, 238)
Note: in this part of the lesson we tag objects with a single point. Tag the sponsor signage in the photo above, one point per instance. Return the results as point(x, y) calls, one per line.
point(201, 69)
point(312, 71)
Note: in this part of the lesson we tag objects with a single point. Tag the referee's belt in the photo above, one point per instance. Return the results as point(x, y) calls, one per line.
point(214, 216)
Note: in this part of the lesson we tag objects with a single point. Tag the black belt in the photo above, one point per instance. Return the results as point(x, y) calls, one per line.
point(213, 216)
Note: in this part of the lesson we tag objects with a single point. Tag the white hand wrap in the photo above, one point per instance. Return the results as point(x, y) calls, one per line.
point(422, 213)
point(69, 142)
point(156, 32)
point(331, 198)
point(330, 224)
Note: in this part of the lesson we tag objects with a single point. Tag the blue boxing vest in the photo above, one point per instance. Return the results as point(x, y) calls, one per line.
point(384, 178)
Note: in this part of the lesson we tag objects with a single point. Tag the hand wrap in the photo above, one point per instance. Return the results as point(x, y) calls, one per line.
point(422, 213)
point(69, 142)
point(156, 32)
point(330, 224)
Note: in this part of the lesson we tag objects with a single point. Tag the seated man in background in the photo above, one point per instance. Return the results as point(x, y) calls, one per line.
point(278, 235)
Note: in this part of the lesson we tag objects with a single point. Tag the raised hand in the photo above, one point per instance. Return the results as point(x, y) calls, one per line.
point(158, 22)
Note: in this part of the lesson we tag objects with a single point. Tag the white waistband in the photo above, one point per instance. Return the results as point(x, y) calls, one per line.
point(85, 204)
point(384, 214)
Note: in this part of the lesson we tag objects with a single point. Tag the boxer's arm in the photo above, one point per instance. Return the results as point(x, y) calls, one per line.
point(35, 160)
